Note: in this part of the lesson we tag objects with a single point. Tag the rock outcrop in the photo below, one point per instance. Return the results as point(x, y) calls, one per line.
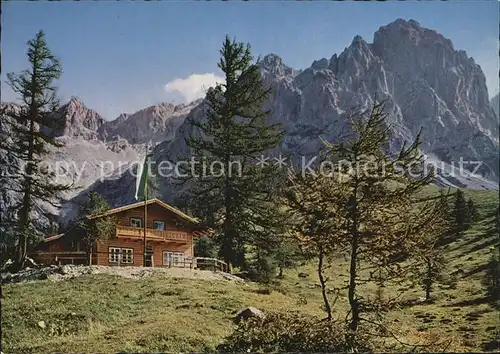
point(156, 123)
point(76, 120)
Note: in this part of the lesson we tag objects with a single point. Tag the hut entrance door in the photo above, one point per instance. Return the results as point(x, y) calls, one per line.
point(149, 256)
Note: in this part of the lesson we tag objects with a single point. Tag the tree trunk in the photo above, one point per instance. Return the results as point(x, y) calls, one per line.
point(89, 255)
point(323, 285)
point(23, 239)
point(227, 247)
point(353, 302)
point(428, 282)
point(25, 209)
point(280, 275)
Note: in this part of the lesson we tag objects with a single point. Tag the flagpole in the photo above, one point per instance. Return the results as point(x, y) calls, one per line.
point(145, 224)
point(145, 207)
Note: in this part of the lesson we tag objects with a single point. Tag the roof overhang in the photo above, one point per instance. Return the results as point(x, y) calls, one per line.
point(53, 238)
point(176, 211)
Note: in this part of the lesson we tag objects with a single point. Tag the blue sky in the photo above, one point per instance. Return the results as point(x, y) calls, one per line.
point(119, 56)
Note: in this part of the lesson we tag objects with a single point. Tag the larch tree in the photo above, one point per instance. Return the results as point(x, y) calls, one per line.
point(430, 250)
point(460, 213)
point(32, 125)
point(313, 203)
point(287, 255)
point(227, 183)
point(90, 229)
point(471, 211)
point(382, 215)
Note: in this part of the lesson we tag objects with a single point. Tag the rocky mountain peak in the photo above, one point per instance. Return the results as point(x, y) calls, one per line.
point(274, 65)
point(76, 101)
point(427, 84)
point(78, 121)
point(154, 123)
point(359, 50)
point(358, 41)
point(271, 60)
point(402, 33)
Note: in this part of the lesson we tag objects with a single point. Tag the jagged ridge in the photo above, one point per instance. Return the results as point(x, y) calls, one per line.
point(424, 80)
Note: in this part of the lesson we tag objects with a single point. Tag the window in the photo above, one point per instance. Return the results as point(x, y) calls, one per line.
point(159, 225)
point(127, 255)
point(114, 254)
point(136, 222)
point(173, 258)
point(122, 255)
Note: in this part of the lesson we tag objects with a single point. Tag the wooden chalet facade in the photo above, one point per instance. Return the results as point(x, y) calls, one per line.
point(170, 238)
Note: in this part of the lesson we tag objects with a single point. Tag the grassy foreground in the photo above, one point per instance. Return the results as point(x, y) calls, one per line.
point(102, 313)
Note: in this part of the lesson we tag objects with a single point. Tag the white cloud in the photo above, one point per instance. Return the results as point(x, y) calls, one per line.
point(194, 86)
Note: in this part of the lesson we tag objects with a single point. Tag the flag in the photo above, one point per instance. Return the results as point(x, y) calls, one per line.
point(142, 178)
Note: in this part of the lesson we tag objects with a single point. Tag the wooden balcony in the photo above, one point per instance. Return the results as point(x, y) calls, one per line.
point(152, 234)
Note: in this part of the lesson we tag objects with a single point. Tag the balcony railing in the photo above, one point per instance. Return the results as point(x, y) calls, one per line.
point(152, 234)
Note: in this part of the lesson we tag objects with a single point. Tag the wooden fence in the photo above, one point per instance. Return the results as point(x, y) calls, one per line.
point(202, 263)
point(60, 257)
point(214, 264)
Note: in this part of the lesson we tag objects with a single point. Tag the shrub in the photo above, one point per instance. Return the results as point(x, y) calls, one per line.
point(288, 333)
point(264, 291)
point(261, 269)
point(205, 247)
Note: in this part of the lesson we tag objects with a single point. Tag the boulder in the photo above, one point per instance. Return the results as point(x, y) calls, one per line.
point(248, 312)
point(42, 324)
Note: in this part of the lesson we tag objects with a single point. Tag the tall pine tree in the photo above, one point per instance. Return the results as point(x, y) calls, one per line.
point(228, 184)
point(31, 135)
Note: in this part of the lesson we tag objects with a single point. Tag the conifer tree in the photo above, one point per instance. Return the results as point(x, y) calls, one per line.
point(430, 250)
point(31, 126)
point(205, 247)
point(460, 213)
point(471, 212)
point(313, 203)
point(260, 265)
point(90, 230)
point(382, 218)
point(287, 255)
point(226, 182)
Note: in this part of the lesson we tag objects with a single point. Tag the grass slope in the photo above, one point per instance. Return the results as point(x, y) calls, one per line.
point(102, 313)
